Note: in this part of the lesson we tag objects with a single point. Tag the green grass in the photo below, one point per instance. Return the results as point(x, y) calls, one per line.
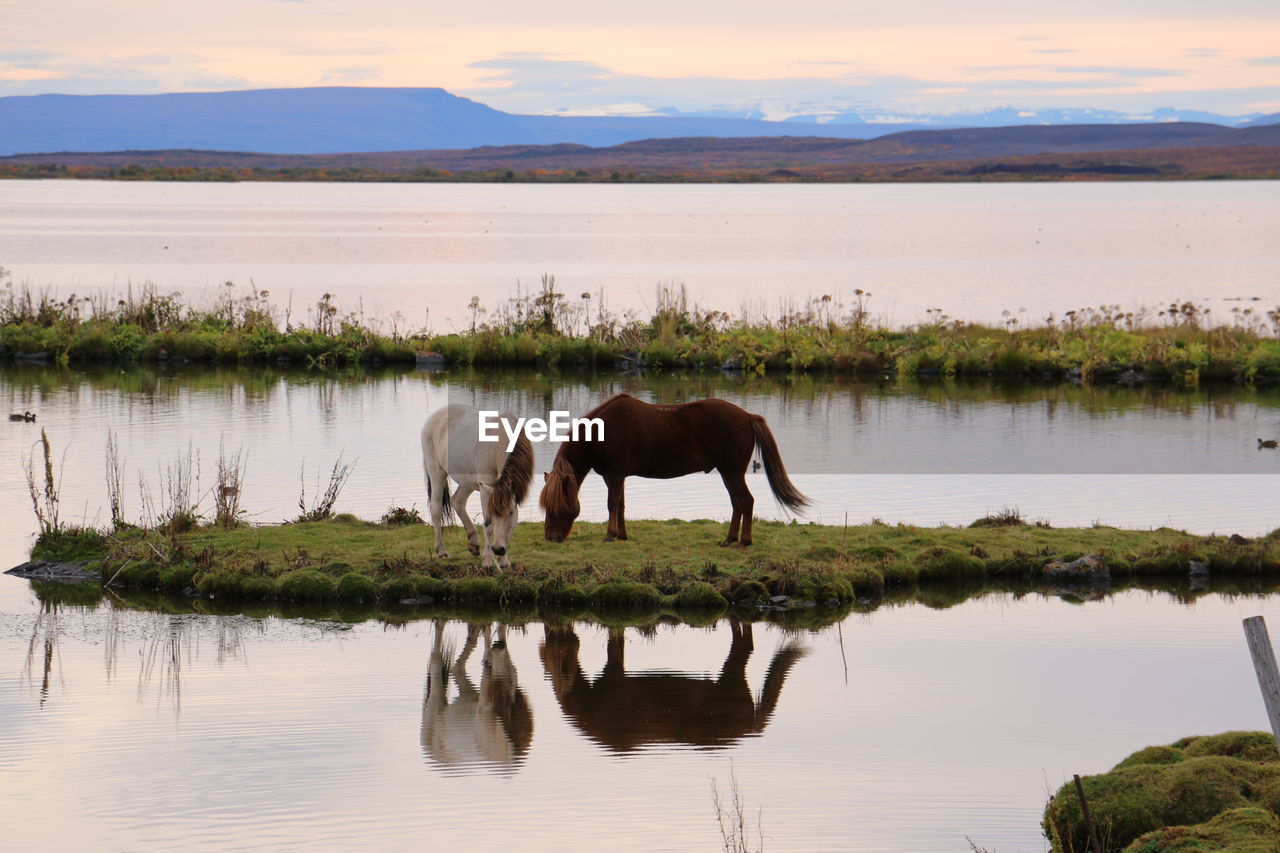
point(674, 563)
point(1219, 792)
point(1178, 343)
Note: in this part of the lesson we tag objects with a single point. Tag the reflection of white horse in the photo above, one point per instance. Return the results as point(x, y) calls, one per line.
point(492, 725)
point(451, 447)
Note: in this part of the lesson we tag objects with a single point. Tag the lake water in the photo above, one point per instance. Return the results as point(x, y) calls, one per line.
point(901, 730)
point(157, 725)
point(424, 250)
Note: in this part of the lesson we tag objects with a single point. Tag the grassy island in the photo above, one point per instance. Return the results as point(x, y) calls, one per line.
point(1218, 792)
point(673, 564)
point(1180, 342)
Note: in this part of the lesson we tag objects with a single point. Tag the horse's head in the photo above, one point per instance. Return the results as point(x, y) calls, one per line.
point(559, 500)
point(501, 515)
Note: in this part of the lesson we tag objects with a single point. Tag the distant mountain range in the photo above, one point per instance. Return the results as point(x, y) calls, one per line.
point(1176, 150)
point(332, 120)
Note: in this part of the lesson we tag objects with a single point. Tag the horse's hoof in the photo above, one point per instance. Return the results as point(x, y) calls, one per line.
point(474, 549)
point(442, 553)
point(609, 537)
point(726, 543)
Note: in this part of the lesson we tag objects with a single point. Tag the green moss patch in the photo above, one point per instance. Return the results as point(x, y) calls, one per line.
point(350, 560)
point(1173, 797)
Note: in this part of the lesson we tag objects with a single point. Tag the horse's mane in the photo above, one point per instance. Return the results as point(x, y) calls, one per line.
point(512, 485)
point(555, 494)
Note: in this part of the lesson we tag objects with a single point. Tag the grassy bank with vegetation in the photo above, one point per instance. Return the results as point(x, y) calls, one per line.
point(1217, 792)
point(1181, 342)
point(674, 564)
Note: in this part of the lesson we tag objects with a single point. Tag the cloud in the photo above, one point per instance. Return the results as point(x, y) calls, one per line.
point(1263, 60)
point(1117, 71)
point(35, 72)
point(1202, 52)
point(1055, 50)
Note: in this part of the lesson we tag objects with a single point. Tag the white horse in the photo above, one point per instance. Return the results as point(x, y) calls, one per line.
point(451, 447)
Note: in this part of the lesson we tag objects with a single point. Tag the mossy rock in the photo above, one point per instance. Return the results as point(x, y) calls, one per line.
point(864, 579)
point(336, 569)
point(882, 554)
point(838, 590)
point(70, 544)
point(620, 594)
point(306, 585)
point(222, 583)
point(559, 593)
point(476, 591)
point(1160, 789)
point(436, 589)
point(901, 572)
point(355, 588)
point(749, 592)
point(177, 578)
point(1244, 830)
point(1154, 755)
point(518, 590)
point(395, 590)
point(1249, 746)
point(257, 588)
point(941, 563)
point(700, 595)
point(139, 576)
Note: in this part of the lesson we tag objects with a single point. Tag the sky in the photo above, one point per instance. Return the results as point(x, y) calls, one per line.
point(780, 57)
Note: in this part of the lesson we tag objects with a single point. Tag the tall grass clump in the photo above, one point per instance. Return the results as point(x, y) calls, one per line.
point(321, 506)
point(229, 477)
point(115, 481)
point(43, 489)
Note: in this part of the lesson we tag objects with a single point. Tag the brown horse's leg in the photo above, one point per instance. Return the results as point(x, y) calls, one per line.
point(743, 505)
point(617, 528)
point(622, 509)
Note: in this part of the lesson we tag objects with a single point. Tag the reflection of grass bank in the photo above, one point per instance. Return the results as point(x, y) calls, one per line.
point(672, 564)
point(1220, 792)
point(548, 329)
point(934, 595)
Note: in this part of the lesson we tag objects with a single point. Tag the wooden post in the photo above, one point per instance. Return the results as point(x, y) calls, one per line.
point(1264, 664)
point(1094, 846)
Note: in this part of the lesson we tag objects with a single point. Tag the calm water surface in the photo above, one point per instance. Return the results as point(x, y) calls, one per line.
point(903, 729)
point(972, 250)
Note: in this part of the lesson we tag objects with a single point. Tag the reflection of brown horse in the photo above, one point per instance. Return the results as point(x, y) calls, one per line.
point(492, 725)
point(623, 711)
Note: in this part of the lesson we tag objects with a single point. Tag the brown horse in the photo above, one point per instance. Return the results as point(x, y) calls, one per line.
point(664, 442)
point(624, 711)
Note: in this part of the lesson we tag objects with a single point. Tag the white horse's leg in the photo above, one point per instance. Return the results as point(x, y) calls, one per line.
point(459, 502)
point(436, 478)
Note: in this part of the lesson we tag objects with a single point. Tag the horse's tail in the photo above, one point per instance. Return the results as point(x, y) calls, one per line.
point(784, 491)
point(446, 512)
